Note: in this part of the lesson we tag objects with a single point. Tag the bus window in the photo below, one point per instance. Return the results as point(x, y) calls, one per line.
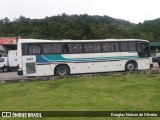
point(30, 49)
point(47, 48)
point(52, 48)
point(124, 46)
point(139, 47)
point(66, 48)
point(75, 48)
point(57, 48)
point(88, 47)
point(25, 49)
point(106, 47)
point(132, 46)
point(143, 49)
point(114, 47)
point(34, 49)
point(96, 47)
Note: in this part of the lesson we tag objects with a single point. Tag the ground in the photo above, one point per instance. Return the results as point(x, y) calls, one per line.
point(134, 92)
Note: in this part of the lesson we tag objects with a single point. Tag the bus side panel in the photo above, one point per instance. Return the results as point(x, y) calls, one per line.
point(92, 67)
point(143, 64)
point(45, 70)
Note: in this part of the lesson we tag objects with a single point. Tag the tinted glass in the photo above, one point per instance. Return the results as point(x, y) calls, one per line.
point(31, 49)
point(132, 46)
point(57, 48)
point(25, 49)
point(143, 49)
point(96, 47)
point(114, 47)
point(75, 48)
point(124, 46)
point(34, 49)
point(47, 48)
point(106, 47)
point(88, 47)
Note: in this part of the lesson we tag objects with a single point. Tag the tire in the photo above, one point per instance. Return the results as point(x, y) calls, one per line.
point(62, 70)
point(130, 66)
point(5, 69)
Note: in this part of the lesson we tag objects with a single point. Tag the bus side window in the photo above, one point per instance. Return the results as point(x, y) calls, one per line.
point(34, 49)
point(106, 47)
point(88, 48)
point(114, 47)
point(47, 48)
point(57, 48)
point(124, 46)
point(139, 49)
point(78, 48)
point(146, 50)
point(25, 49)
point(66, 48)
point(31, 49)
point(132, 46)
point(96, 47)
point(75, 48)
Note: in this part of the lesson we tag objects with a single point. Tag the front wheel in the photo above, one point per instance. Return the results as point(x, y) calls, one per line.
point(130, 66)
point(62, 70)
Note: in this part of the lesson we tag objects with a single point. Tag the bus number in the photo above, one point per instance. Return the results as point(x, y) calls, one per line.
point(29, 59)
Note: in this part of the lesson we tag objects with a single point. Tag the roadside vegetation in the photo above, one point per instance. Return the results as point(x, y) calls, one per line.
point(79, 27)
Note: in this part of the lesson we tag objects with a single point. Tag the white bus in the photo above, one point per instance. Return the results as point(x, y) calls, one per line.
point(64, 57)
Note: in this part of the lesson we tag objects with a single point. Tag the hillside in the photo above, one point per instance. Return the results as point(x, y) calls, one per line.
point(79, 27)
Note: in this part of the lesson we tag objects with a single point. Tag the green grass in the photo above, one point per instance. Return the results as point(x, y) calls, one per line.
point(102, 93)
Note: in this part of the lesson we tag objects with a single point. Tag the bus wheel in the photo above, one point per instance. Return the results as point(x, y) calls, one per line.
point(62, 70)
point(130, 66)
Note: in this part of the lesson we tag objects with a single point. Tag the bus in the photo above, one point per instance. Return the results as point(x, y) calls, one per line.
point(64, 57)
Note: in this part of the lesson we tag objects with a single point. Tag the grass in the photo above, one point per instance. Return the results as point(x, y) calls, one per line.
point(103, 93)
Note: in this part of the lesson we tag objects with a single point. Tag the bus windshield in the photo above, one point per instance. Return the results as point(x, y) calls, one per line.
point(143, 49)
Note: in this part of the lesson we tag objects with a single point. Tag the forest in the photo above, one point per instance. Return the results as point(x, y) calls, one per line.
point(79, 27)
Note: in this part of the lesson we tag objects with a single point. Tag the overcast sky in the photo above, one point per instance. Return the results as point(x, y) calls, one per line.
point(134, 11)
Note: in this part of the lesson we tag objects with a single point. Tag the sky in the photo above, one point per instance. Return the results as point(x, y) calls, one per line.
point(134, 11)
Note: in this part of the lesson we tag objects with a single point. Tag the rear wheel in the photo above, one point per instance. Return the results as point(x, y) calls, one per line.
point(130, 66)
point(62, 70)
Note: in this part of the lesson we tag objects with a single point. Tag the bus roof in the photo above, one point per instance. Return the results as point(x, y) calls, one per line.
point(75, 41)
